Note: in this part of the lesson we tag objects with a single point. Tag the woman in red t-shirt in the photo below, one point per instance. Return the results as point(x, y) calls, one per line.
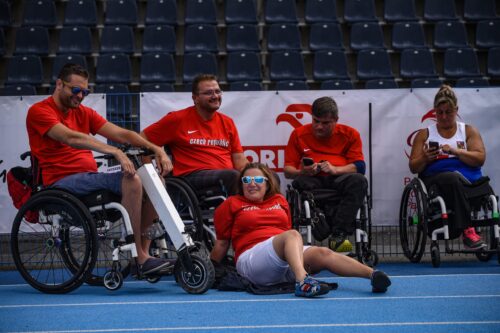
point(267, 251)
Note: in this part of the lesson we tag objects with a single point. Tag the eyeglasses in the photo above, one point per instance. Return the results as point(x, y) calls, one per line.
point(77, 90)
point(256, 179)
point(209, 93)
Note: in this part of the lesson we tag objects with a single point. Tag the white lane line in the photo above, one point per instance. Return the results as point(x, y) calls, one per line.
point(250, 300)
point(205, 328)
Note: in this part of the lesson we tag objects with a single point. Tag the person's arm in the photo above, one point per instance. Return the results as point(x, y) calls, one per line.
point(292, 172)
point(475, 154)
point(239, 161)
point(421, 155)
point(220, 249)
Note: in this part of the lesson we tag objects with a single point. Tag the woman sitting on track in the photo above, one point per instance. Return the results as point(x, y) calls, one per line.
point(267, 250)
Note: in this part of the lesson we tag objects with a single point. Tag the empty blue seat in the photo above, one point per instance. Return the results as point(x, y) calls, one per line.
point(399, 10)
point(325, 36)
point(480, 10)
point(426, 83)
point(61, 60)
point(80, 12)
point(283, 37)
point(330, 65)
point(161, 12)
point(118, 88)
point(494, 62)
point(468, 82)
point(439, 10)
point(381, 84)
point(449, 34)
point(408, 35)
point(244, 66)
point(5, 14)
point(157, 68)
point(18, 90)
point(158, 39)
point(373, 64)
point(460, 63)
point(157, 87)
point(75, 40)
point(117, 39)
point(366, 35)
point(320, 11)
point(240, 11)
point(286, 66)
point(198, 63)
point(245, 86)
point(242, 37)
point(2, 42)
point(32, 40)
point(280, 11)
point(336, 85)
point(113, 68)
point(415, 63)
point(200, 38)
point(488, 34)
point(200, 12)
point(40, 13)
point(359, 11)
point(121, 12)
point(291, 85)
point(26, 69)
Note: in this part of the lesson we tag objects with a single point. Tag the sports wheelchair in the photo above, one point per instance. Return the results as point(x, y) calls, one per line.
point(307, 209)
point(59, 240)
point(424, 213)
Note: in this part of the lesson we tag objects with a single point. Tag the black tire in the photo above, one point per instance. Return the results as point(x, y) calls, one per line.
point(112, 280)
point(187, 205)
point(435, 256)
point(413, 221)
point(40, 250)
point(203, 277)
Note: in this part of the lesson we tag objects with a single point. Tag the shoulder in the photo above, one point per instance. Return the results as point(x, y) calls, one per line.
point(347, 131)
point(42, 105)
point(224, 117)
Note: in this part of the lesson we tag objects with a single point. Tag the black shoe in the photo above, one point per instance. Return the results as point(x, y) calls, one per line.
point(380, 282)
point(153, 265)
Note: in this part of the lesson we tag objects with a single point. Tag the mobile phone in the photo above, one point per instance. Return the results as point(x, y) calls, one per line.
point(433, 145)
point(307, 161)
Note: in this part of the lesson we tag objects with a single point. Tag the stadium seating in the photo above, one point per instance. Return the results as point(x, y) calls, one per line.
point(426, 83)
point(200, 12)
point(449, 34)
point(474, 82)
point(75, 40)
point(32, 40)
point(283, 37)
point(337, 85)
point(244, 66)
point(407, 35)
point(18, 90)
point(157, 87)
point(242, 37)
point(61, 60)
point(488, 34)
point(39, 13)
point(117, 39)
point(111, 89)
point(121, 12)
point(240, 12)
point(2, 42)
point(359, 11)
point(479, 10)
point(439, 10)
point(196, 63)
point(373, 64)
point(330, 65)
point(113, 68)
point(161, 12)
point(280, 11)
point(366, 35)
point(5, 14)
point(245, 86)
point(381, 84)
point(399, 10)
point(325, 36)
point(25, 69)
point(157, 68)
point(80, 13)
point(291, 85)
point(158, 39)
point(461, 63)
point(286, 66)
point(494, 62)
point(417, 63)
point(200, 38)
point(318, 11)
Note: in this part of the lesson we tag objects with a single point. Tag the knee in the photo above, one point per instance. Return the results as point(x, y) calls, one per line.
point(358, 181)
point(293, 234)
point(449, 178)
point(131, 184)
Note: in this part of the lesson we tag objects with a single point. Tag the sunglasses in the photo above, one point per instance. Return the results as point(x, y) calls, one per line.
point(77, 90)
point(256, 179)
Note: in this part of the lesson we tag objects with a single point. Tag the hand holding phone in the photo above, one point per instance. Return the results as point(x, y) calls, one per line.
point(433, 145)
point(307, 161)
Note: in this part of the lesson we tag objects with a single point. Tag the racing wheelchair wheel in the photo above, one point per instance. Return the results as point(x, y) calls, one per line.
point(186, 203)
point(435, 255)
point(48, 227)
point(413, 220)
point(201, 278)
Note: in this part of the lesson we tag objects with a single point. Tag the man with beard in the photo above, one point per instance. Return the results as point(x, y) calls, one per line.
point(205, 144)
point(59, 129)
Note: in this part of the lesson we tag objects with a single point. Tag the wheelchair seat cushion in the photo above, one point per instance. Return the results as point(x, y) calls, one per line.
point(99, 198)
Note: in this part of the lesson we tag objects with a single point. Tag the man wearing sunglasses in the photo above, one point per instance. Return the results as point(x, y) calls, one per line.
point(204, 143)
point(337, 163)
point(61, 130)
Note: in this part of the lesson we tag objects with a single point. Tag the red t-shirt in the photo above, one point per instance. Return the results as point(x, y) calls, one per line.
point(196, 144)
point(342, 148)
point(248, 223)
point(56, 159)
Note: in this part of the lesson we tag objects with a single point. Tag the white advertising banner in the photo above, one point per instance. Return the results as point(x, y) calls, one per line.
point(14, 142)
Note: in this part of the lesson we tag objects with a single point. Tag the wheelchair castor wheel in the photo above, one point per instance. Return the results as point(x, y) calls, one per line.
point(153, 278)
point(370, 258)
point(435, 256)
point(483, 255)
point(113, 280)
point(201, 278)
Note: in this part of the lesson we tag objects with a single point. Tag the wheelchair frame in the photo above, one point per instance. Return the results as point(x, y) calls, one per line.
point(193, 269)
point(416, 213)
point(302, 206)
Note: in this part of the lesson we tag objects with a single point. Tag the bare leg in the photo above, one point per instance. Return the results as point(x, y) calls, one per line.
point(289, 247)
point(317, 259)
point(148, 216)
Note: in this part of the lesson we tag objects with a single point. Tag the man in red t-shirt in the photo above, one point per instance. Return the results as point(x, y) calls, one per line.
point(325, 154)
point(204, 143)
point(59, 129)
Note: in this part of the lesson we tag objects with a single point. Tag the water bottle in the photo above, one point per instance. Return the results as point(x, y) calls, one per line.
point(155, 230)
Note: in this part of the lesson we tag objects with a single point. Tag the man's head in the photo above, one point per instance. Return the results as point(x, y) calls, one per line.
point(207, 95)
point(445, 106)
point(325, 114)
point(71, 86)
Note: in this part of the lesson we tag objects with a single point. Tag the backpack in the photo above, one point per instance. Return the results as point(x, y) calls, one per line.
point(19, 184)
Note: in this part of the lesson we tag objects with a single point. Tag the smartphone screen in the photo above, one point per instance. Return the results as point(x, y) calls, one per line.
point(307, 161)
point(433, 145)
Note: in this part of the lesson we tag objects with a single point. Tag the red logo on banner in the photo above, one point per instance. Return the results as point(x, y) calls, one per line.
point(431, 114)
point(295, 113)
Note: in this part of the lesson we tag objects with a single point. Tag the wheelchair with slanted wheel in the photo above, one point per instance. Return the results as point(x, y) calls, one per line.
point(308, 216)
point(424, 213)
point(59, 240)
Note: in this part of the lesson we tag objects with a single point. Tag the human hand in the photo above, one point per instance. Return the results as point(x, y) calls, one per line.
point(163, 163)
point(128, 167)
point(310, 170)
point(327, 167)
point(447, 149)
point(430, 154)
